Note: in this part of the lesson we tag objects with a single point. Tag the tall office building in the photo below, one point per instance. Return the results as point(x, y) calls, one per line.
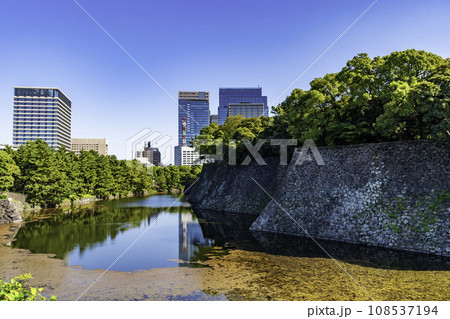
point(100, 145)
point(194, 107)
point(193, 115)
point(246, 109)
point(251, 97)
point(42, 113)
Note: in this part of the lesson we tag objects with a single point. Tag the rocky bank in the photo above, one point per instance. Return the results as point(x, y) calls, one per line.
point(8, 212)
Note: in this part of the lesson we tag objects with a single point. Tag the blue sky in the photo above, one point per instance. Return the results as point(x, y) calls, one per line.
point(191, 45)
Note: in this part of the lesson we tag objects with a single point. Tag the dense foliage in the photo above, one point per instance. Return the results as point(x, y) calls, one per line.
point(232, 134)
point(67, 231)
point(404, 95)
point(20, 290)
point(48, 176)
point(8, 170)
point(175, 177)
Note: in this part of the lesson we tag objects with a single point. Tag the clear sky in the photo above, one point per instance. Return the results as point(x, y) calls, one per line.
point(191, 45)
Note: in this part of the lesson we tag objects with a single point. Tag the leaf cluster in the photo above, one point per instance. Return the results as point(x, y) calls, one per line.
point(404, 95)
point(175, 177)
point(20, 290)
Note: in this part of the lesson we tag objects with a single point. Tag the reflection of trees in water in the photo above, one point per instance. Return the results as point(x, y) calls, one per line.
point(84, 228)
point(227, 228)
point(88, 227)
point(231, 229)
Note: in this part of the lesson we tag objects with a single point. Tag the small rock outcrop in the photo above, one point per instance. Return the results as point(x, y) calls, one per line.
point(8, 212)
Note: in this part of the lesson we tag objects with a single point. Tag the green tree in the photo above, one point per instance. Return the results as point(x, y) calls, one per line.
point(160, 179)
point(173, 178)
point(88, 170)
point(68, 165)
point(188, 175)
point(119, 170)
point(235, 128)
point(8, 171)
point(404, 95)
point(104, 180)
point(415, 86)
point(41, 178)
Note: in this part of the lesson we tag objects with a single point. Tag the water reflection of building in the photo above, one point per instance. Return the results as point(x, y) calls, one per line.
point(190, 236)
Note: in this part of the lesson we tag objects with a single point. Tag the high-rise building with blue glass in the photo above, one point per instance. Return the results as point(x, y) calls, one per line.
point(193, 109)
point(251, 97)
point(42, 113)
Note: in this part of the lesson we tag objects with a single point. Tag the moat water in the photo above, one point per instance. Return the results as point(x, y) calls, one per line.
point(163, 232)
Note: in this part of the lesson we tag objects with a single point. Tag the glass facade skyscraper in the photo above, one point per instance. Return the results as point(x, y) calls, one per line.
point(42, 113)
point(235, 96)
point(246, 109)
point(194, 108)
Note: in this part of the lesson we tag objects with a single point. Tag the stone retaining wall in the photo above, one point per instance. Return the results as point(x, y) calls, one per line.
point(8, 213)
point(394, 195)
point(230, 188)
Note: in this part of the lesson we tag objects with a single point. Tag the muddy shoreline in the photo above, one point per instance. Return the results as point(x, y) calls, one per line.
point(239, 275)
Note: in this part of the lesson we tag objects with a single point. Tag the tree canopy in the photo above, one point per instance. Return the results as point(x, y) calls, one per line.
point(8, 171)
point(48, 176)
point(404, 95)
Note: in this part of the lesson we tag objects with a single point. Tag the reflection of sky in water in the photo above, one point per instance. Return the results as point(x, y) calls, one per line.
point(153, 249)
point(173, 238)
point(95, 237)
point(153, 201)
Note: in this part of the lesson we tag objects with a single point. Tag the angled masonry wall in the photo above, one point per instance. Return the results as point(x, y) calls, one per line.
point(394, 195)
point(231, 188)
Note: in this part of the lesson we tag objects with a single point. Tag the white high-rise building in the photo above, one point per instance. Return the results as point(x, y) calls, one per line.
point(42, 113)
point(188, 156)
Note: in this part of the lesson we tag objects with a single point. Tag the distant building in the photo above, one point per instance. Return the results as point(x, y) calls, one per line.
point(188, 156)
point(246, 109)
point(214, 119)
point(42, 113)
point(252, 97)
point(193, 115)
point(100, 145)
point(152, 154)
point(194, 107)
